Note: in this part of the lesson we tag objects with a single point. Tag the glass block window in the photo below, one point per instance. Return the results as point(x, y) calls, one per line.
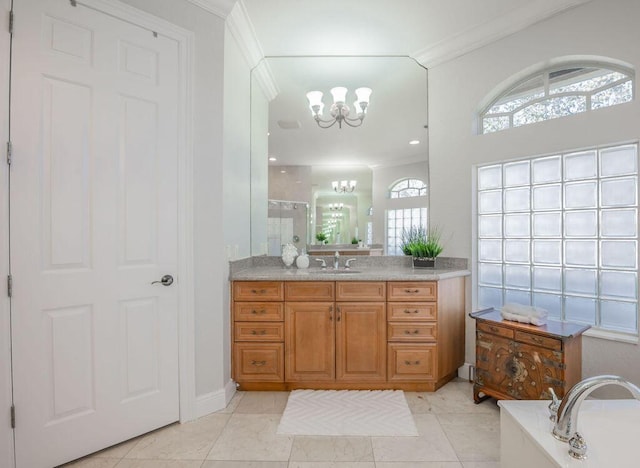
point(399, 220)
point(558, 92)
point(408, 188)
point(561, 232)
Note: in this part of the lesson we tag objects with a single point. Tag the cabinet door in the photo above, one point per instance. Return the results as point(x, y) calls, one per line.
point(494, 366)
point(537, 369)
point(361, 341)
point(309, 341)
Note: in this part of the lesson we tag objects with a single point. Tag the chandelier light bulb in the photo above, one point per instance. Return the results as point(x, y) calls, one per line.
point(339, 94)
point(315, 102)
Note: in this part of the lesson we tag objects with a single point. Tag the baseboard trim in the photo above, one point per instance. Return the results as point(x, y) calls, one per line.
point(464, 371)
point(214, 401)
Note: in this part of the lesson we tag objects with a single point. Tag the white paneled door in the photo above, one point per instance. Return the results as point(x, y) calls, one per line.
point(93, 224)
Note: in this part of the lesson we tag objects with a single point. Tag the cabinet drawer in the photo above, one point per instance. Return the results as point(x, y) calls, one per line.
point(309, 291)
point(412, 290)
point(259, 362)
point(538, 340)
point(411, 331)
point(258, 311)
point(495, 329)
point(412, 311)
point(258, 291)
point(360, 291)
point(258, 331)
point(408, 361)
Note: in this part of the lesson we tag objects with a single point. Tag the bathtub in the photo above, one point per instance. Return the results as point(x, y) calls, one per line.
point(611, 429)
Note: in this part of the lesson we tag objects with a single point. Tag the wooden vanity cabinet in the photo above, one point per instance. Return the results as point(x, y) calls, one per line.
point(522, 361)
point(347, 334)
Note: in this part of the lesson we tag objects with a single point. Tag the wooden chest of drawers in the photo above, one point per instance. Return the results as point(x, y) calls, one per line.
point(521, 361)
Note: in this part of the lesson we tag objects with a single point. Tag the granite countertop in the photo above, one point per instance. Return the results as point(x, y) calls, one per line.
point(279, 273)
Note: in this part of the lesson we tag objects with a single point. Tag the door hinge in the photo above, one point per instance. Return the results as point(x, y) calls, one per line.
point(11, 22)
point(13, 417)
point(9, 152)
point(9, 285)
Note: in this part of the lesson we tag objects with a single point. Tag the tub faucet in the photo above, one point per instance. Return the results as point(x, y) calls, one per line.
point(567, 420)
point(336, 261)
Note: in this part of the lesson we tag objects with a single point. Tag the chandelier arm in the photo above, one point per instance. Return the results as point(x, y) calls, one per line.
point(320, 122)
point(348, 122)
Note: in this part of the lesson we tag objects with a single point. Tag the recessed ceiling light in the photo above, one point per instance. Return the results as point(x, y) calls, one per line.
point(268, 133)
point(272, 158)
point(298, 181)
point(283, 172)
point(414, 142)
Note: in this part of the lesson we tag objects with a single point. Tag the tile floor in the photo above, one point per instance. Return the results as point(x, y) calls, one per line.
point(454, 433)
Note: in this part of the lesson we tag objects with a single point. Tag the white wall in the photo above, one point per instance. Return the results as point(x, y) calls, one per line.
point(383, 177)
point(606, 28)
point(210, 266)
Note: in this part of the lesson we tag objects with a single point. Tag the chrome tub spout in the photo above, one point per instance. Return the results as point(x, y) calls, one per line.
point(567, 420)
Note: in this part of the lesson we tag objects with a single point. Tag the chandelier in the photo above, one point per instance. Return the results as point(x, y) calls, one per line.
point(336, 206)
point(339, 110)
point(344, 186)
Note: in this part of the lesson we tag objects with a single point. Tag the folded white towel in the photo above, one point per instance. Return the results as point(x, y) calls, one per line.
point(528, 311)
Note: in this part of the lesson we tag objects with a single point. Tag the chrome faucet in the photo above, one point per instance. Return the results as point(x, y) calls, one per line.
point(336, 261)
point(567, 420)
point(347, 265)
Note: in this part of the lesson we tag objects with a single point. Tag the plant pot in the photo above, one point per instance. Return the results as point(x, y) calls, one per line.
point(420, 262)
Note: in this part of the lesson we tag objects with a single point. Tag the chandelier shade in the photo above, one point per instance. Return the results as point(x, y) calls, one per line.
point(339, 109)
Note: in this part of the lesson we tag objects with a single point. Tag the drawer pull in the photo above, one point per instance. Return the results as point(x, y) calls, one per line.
point(412, 291)
point(411, 363)
point(258, 312)
point(258, 363)
point(494, 329)
point(258, 332)
point(407, 311)
point(414, 332)
point(536, 339)
point(258, 291)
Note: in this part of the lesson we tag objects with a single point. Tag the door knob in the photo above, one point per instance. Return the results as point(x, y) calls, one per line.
point(166, 280)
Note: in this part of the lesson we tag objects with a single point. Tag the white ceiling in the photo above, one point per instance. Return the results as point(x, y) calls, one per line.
point(431, 31)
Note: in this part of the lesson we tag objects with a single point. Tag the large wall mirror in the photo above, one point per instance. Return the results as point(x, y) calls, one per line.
point(296, 163)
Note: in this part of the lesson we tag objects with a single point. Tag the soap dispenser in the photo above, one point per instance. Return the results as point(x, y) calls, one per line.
point(303, 260)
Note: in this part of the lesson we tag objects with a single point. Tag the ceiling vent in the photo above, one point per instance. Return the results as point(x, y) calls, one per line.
point(289, 124)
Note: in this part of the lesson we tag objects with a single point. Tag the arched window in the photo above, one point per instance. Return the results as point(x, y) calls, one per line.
point(557, 92)
point(408, 188)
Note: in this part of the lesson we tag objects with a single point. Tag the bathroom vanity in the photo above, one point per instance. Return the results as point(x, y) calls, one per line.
point(393, 328)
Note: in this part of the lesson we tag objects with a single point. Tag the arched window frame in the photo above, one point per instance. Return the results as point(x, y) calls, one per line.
point(544, 73)
point(396, 189)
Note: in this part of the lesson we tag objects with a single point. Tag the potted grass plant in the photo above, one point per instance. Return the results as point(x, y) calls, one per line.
point(424, 245)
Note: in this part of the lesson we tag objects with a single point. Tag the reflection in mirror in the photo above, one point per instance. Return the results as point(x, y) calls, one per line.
point(295, 161)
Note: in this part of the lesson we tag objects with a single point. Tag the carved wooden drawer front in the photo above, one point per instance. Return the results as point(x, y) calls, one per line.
point(535, 369)
point(259, 331)
point(495, 329)
point(411, 331)
point(258, 291)
point(537, 340)
point(408, 361)
point(262, 362)
point(412, 291)
point(360, 291)
point(258, 311)
point(410, 311)
point(309, 291)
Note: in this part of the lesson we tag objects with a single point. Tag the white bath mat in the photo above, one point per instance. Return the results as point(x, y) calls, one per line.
point(347, 413)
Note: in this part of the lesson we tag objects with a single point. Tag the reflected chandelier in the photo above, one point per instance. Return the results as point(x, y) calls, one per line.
point(344, 186)
point(339, 110)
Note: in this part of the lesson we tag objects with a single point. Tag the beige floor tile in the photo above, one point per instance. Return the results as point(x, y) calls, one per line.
point(472, 464)
point(457, 397)
point(92, 462)
point(262, 403)
point(244, 464)
point(475, 437)
point(430, 445)
point(189, 441)
point(233, 404)
point(128, 463)
point(117, 451)
point(418, 465)
point(352, 449)
point(302, 464)
point(252, 437)
point(418, 402)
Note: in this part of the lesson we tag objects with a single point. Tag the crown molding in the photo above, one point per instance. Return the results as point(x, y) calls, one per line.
point(220, 8)
point(459, 44)
point(241, 29)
